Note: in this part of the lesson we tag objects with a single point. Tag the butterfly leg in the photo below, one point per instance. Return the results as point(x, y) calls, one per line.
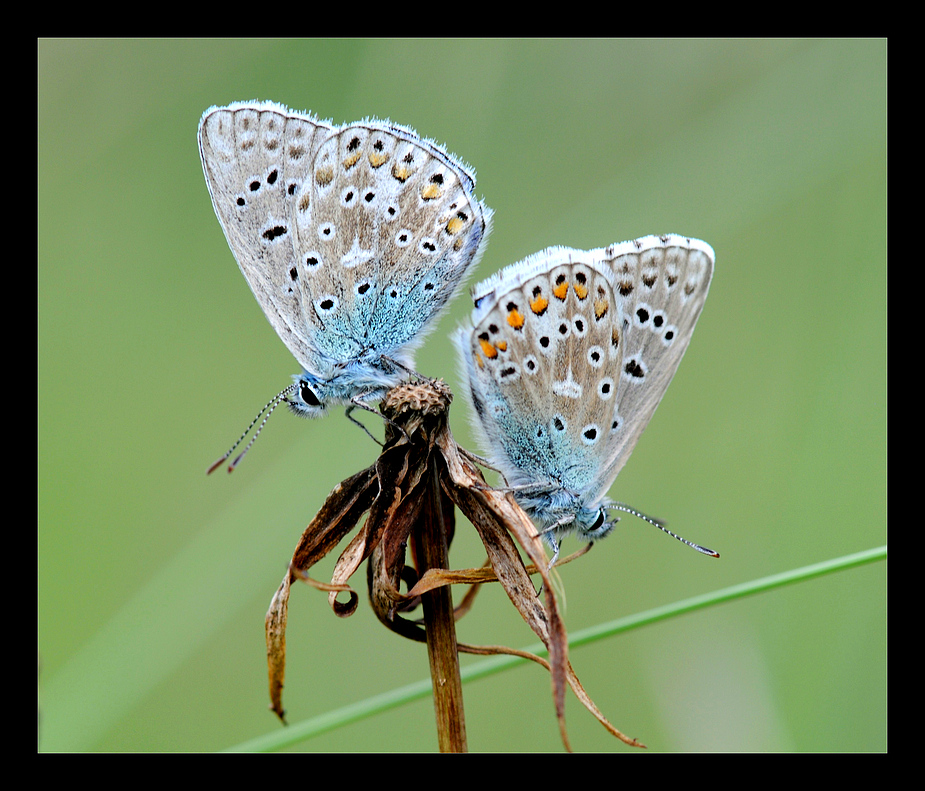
point(356, 402)
point(406, 369)
point(551, 539)
point(550, 535)
point(474, 457)
point(555, 551)
point(354, 420)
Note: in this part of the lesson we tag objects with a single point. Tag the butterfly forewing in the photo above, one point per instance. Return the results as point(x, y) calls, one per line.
point(255, 157)
point(662, 283)
point(545, 357)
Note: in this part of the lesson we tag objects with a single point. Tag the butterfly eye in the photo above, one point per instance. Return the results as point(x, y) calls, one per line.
point(308, 395)
point(599, 522)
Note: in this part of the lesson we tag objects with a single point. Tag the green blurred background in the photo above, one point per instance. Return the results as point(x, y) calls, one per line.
point(770, 445)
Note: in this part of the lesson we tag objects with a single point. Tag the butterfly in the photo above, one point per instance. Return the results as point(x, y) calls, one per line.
point(568, 354)
point(352, 238)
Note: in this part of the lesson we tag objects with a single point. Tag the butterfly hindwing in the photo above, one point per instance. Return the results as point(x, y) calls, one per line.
point(545, 360)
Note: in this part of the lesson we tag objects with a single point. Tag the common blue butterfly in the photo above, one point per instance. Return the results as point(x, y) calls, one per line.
point(352, 239)
point(568, 355)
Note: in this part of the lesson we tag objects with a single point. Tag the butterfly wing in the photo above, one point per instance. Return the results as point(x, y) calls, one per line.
point(255, 158)
point(386, 228)
point(543, 361)
point(662, 283)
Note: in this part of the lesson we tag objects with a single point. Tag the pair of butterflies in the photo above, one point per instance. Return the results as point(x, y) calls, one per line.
point(354, 238)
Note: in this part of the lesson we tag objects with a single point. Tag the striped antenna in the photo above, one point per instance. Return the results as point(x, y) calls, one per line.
point(268, 409)
point(661, 526)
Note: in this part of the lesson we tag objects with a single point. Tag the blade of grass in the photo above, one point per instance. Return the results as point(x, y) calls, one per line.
point(331, 720)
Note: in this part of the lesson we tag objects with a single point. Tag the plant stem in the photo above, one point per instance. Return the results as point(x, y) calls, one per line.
point(439, 620)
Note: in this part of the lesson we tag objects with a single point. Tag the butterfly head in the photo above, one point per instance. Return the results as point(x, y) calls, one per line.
point(307, 396)
point(558, 512)
point(591, 524)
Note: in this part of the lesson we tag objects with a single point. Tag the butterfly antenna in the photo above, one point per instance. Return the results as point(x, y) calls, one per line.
point(661, 526)
point(268, 409)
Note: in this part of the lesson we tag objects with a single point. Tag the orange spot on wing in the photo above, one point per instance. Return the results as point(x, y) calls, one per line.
point(430, 192)
point(487, 349)
point(377, 159)
point(455, 225)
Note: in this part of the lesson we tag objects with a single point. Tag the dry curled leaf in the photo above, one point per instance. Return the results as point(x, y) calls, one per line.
point(410, 495)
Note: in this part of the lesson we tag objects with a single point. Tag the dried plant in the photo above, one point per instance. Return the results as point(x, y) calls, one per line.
point(410, 494)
